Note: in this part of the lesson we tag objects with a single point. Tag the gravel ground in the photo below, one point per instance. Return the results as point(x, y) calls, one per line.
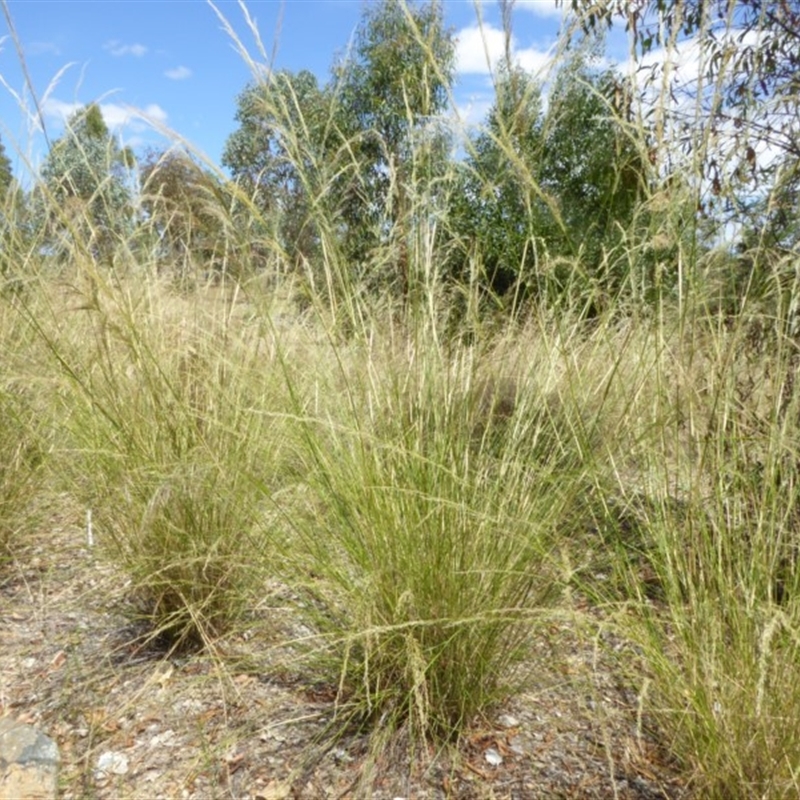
point(132, 722)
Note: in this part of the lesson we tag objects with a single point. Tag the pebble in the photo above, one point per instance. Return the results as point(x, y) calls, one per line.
point(341, 756)
point(111, 763)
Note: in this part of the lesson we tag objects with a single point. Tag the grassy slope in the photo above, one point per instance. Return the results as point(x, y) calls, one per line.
point(430, 507)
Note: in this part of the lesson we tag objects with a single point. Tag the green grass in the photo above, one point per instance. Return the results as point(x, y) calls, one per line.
point(25, 436)
point(723, 644)
point(431, 533)
point(431, 506)
point(162, 411)
point(22, 455)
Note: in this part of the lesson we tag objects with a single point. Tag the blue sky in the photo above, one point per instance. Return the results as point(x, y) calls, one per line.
point(170, 63)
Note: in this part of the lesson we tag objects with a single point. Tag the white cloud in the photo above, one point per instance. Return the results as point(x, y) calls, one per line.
point(179, 73)
point(42, 48)
point(58, 109)
point(544, 8)
point(154, 113)
point(117, 48)
point(533, 60)
point(479, 49)
point(116, 116)
point(135, 119)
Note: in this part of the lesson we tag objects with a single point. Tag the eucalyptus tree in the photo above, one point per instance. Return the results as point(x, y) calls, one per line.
point(11, 204)
point(6, 176)
point(185, 206)
point(590, 164)
point(546, 192)
point(279, 155)
point(737, 115)
point(498, 207)
point(393, 91)
point(85, 199)
point(338, 167)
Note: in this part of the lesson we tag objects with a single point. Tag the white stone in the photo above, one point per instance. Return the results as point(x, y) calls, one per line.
point(165, 739)
point(111, 763)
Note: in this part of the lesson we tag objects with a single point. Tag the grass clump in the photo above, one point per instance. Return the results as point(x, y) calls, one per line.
point(619, 419)
point(431, 536)
point(175, 449)
point(25, 439)
point(22, 457)
point(718, 460)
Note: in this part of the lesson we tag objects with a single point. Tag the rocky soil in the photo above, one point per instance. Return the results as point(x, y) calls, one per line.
point(131, 721)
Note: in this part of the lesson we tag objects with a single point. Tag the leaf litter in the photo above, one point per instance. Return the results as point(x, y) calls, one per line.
point(132, 722)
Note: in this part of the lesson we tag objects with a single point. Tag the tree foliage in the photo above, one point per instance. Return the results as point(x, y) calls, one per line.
point(284, 139)
point(85, 176)
point(590, 164)
point(342, 156)
point(397, 79)
point(543, 185)
point(13, 223)
point(6, 176)
point(394, 88)
point(744, 122)
point(495, 209)
point(183, 201)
